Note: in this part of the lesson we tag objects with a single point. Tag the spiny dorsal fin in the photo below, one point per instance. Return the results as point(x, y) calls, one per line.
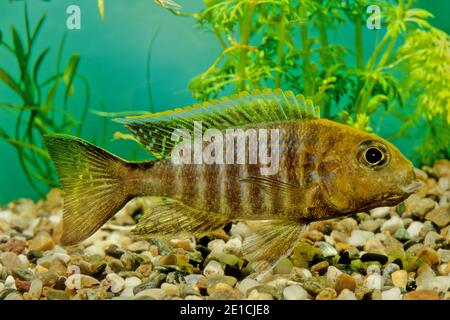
point(154, 132)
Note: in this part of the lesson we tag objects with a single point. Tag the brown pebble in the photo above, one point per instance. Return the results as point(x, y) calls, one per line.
point(428, 255)
point(14, 245)
point(327, 294)
point(320, 267)
point(421, 295)
point(145, 269)
point(22, 285)
point(313, 235)
point(41, 242)
point(439, 216)
point(344, 281)
point(168, 259)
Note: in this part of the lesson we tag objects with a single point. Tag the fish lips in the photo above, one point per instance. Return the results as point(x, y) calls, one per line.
point(413, 186)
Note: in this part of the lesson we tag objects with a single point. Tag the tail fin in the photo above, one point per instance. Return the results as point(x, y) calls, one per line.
point(92, 180)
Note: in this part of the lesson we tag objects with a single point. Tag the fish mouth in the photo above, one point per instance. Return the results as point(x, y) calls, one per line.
point(413, 186)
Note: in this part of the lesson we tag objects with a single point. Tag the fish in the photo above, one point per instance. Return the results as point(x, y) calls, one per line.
point(326, 170)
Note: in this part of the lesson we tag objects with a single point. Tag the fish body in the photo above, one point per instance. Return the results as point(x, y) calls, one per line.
point(324, 170)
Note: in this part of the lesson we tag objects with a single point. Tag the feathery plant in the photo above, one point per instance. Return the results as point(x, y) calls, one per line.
point(43, 105)
point(285, 44)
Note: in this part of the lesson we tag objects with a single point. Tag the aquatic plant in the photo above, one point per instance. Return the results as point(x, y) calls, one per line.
point(42, 105)
point(280, 43)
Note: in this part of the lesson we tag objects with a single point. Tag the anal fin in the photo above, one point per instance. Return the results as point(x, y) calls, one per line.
point(169, 217)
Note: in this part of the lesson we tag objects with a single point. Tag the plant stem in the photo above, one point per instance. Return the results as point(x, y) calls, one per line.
point(305, 51)
point(364, 96)
point(359, 43)
point(245, 30)
point(280, 50)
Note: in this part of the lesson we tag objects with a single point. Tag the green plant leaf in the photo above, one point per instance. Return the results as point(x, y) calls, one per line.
point(70, 72)
point(20, 53)
point(8, 80)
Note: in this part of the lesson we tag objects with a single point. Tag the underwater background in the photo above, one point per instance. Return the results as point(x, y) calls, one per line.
point(114, 62)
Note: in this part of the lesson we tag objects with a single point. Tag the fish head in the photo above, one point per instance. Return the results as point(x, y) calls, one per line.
point(365, 172)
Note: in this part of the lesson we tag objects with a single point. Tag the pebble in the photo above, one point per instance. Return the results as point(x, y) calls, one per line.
point(57, 295)
point(170, 289)
point(35, 290)
point(380, 212)
point(80, 281)
point(391, 294)
point(233, 246)
point(42, 242)
point(168, 259)
point(241, 229)
point(213, 268)
point(327, 294)
point(439, 216)
point(184, 244)
point(295, 292)
point(414, 228)
point(320, 267)
point(374, 245)
point(284, 266)
point(256, 295)
point(14, 296)
point(392, 224)
point(444, 255)
point(359, 237)
point(432, 239)
point(14, 245)
point(247, 284)
point(421, 295)
point(326, 249)
point(346, 295)
point(139, 246)
point(117, 283)
point(333, 273)
point(10, 260)
point(132, 282)
point(428, 255)
point(344, 281)
point(374, 281)
point(154, 293)
point(347, 225)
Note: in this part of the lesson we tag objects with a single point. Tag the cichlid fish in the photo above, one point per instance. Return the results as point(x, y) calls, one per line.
point(326, 170)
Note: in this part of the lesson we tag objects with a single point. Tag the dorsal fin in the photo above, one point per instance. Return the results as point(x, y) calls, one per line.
point(154, 131)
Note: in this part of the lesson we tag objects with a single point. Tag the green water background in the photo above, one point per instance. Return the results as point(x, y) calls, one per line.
point(113, 59)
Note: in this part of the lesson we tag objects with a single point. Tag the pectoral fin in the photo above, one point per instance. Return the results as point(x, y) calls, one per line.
point(271, 240)
point(272, 187)
point(174, 218)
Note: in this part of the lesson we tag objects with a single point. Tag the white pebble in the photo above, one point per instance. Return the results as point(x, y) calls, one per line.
point(132, 282)
point(391, 294)
point(155, 293)
point(359, 237)
point(374, 281)
point(2, 286)
point(333, 273)
point(346, 295)
point(117, 282)
point(170, 289)
point(414, 228)
point(213, 268)
point(193, 297)
point(380, 212)
point(241, 229)
point(295, 292)
point(392, 225)
point(192, 279)
point(10, 282)
point(256, 295)
point(35, 289)
point(247, 284)
point(94, 250)
point(233, 246)
point(24, 262)
point(127, 292)
point(64, 258)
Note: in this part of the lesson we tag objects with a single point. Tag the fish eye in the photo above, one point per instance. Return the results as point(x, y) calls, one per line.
point(373, 155)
